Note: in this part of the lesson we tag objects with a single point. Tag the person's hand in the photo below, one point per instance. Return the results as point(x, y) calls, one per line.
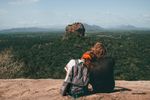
point(90, 87)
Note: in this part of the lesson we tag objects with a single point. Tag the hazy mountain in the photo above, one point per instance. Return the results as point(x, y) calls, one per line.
point(88, 28)
point(92, 28)
point(30, 29)
point(128, 27)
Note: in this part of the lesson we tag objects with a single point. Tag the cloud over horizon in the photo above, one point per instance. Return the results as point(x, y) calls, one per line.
point(21, 2)
point(105, 13)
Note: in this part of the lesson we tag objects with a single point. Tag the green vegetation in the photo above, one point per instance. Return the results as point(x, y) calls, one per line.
point(44, 55)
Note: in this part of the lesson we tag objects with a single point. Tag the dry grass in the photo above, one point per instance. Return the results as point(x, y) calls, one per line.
point(9, 67)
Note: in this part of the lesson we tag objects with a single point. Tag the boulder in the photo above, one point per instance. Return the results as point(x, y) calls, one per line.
point(75, 29)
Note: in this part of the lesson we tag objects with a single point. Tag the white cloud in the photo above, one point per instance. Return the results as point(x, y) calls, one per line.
point(20, 2)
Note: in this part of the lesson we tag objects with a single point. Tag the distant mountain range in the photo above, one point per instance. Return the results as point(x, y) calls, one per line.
point(93, 28)
point(88, 28)
point(30, 29)
point(128, 27)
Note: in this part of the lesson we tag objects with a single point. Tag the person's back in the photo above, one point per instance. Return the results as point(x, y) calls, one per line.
point(77, 76)
point(80, 79)
point(77, 79)
point(101, 76)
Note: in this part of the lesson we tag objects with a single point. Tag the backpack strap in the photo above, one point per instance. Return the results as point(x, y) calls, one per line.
point(74, 70)
point(76, 67)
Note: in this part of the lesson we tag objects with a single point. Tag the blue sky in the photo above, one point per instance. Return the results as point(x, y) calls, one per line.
point(47, 13)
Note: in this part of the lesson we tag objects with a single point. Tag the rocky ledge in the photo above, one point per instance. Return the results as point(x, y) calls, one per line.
point(48, 89)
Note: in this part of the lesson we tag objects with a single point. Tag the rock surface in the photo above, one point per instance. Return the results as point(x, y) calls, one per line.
point(74, 29)
point(48, 89)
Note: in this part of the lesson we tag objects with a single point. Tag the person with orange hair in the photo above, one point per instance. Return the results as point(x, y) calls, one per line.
point(77, 76)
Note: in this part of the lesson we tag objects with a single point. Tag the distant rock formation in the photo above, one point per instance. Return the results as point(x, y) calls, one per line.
point(74, 29)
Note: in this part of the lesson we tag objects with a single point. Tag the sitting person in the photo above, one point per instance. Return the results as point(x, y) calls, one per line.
point(93, 68)
point(101, 75)
point(77, 76)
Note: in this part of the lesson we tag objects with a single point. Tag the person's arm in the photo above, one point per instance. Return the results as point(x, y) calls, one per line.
point(68, 69)
point(66, 84)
